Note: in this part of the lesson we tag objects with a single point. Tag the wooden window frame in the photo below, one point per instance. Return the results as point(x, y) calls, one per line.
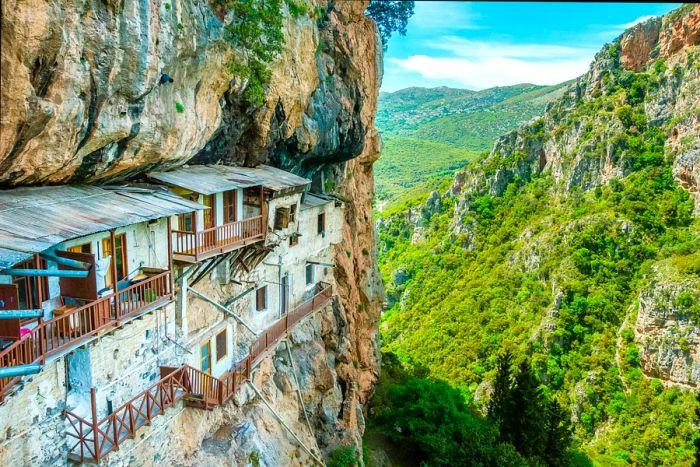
point(107, 247)
point(307, 268)
point(293, 239)
point(230, 206)
point(220, 356)
point(182, 222)
point(258, 306)
point(201, 346)
point(31, 285)
point(81, 248)
point(209, 214)
point(321, 223)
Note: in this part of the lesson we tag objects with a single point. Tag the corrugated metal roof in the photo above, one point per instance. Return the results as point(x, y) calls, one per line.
point(311, 201)
point(33, 219)
point(210, 179)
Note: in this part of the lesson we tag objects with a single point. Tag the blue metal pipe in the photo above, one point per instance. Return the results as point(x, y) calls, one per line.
point(65, 261)
point(45, 273)
point(21, 314)
point(20, 370)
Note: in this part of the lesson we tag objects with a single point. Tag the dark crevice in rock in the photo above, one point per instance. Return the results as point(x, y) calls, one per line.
point(94, 106)
point(42, 74)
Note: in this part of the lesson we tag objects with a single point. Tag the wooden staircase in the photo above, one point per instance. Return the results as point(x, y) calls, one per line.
point(91, 441)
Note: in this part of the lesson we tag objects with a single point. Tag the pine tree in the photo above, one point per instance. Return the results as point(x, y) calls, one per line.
point(558, 433)
point(501, 407)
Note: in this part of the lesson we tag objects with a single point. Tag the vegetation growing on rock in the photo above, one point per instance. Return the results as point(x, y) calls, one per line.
point(557, 244)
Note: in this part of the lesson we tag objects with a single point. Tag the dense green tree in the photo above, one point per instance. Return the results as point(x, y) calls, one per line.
point(390, 16)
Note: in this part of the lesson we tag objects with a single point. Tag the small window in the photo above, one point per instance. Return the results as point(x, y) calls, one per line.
point(321, 223)
point(294, 239)
point(221, 345)
point(293, 213)
point(261, 298)
point(310, 273)
point(84, 248)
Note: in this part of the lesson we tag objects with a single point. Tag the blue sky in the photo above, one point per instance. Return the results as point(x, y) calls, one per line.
point(479, 45)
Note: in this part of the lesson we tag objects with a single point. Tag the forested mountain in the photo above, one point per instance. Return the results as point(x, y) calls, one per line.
point(575, 245)
point(444, 128)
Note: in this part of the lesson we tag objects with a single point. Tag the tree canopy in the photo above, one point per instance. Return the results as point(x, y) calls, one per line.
point(390, 16)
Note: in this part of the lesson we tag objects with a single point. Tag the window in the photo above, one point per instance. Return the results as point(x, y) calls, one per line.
point(294, 239)
point(205, 356)
point(293, 213)
point(230, 205)
point(310, 274)
point(119, 257)
point(221, 345)
point(321, 223)
point(84, 248)
point(261, 298)
point(185, 222)
point(209, 214)
point(28, 287)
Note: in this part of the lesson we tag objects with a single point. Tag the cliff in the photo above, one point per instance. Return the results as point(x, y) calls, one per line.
point(97, 92)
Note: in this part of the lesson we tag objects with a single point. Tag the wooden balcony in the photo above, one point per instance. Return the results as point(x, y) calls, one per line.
point(77, 325)
point(192, 247)
point(92, 441)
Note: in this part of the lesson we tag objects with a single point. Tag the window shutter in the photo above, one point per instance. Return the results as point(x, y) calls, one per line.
point(321, 223)
point(281, 218)
point(221, 345)
point(260, 299)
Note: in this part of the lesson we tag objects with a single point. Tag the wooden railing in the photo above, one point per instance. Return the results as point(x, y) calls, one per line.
point(206, 243)
point(65, 331)
point(92, 441)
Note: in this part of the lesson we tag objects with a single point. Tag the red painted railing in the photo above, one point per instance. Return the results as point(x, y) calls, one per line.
point(92, 441)
point(216, 240)
point(65, 331)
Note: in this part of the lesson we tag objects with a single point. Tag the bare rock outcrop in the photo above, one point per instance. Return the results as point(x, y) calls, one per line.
point(668, 327)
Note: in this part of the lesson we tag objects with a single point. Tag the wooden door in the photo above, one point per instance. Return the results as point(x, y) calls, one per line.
point(209, 237)
point(9, 300)
point(120, 256)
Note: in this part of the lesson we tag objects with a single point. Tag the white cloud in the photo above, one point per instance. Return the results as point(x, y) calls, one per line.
point(641, 19)
point(479, 49)
point(479, 65)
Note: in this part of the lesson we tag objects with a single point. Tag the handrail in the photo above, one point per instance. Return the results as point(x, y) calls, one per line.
point(61, 332)
point(94, 440)
point(218, 238)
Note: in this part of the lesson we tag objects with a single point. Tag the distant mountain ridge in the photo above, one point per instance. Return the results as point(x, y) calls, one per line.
point(446, 127)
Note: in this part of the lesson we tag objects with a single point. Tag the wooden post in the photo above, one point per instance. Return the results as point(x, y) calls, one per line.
point(170, 256)
point(95, 437)
point(196, 234)
point(40, 298)
point(113, 264)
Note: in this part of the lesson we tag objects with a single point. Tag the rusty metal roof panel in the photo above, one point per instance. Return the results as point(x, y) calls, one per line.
point(33, 219)
point(210, 179)
point(311, 200)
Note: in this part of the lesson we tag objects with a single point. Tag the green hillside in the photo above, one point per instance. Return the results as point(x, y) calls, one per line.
point(576, 247)
point(444, 128)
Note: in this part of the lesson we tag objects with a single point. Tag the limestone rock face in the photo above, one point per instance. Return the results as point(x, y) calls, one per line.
point(668, 329)
point(86, 99)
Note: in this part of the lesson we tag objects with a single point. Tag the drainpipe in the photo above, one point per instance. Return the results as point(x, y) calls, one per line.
point(45, 273)
point(21, 314)
point(20, 370)
point(65, 261)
